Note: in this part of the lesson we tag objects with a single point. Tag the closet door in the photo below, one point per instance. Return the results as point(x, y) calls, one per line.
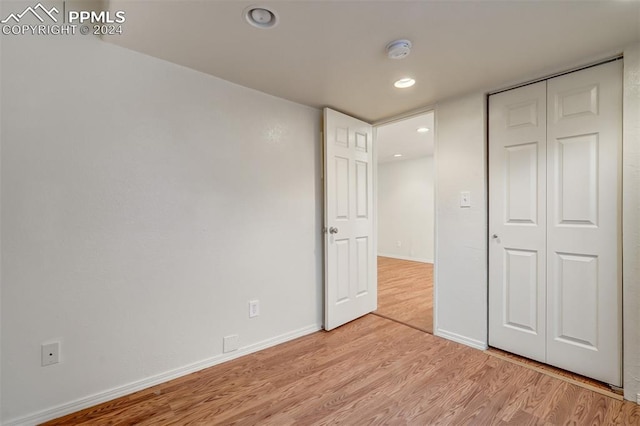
point(584, 116)
point(517, 216)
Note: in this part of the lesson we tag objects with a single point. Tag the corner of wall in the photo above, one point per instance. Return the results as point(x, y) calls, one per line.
point(630, 224)
point(0, 228)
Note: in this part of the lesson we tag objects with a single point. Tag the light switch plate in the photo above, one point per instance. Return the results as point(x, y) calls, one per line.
point(254, 308)
point(465, 199)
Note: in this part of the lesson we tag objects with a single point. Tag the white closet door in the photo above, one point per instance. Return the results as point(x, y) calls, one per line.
point(517, 193)
point(584, 111)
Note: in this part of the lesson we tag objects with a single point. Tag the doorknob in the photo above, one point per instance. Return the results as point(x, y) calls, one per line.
point(333, 230)
point(494, 236)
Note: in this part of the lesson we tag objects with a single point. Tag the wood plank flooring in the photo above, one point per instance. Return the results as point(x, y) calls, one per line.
point(370, 371)
point(405, 292)
point(552, 371)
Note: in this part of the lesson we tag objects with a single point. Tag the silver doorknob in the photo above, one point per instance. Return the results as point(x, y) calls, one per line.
point(333, 230)
point(494, 236)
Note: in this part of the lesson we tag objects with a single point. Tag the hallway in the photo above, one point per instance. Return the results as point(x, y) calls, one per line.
point(405, 292)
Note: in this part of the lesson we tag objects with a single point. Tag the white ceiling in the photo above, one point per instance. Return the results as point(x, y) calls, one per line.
point(332, 53)
point(402, 137)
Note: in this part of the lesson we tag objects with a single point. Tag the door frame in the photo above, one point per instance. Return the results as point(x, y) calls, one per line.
point(404, 116)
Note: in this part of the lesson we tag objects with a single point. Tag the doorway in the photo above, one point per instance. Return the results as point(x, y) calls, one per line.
point(405, 226)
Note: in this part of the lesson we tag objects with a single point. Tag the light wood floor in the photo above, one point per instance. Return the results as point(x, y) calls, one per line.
point(370, 371)
point(568, 376)
point(405, 292)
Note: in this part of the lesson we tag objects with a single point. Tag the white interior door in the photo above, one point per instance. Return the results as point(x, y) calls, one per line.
point(584, 116)
point(517, 186)
point(350, 262)
point(555, 270)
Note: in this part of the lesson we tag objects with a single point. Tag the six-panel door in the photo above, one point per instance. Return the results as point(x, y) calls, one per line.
point(350, 267)
point(517, 211)
point(584, 111)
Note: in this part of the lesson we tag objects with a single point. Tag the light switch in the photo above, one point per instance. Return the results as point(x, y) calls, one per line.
point(465, 199)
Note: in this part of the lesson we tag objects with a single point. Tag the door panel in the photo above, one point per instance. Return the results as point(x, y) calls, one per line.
point(583, 276)
point(575, 102)
point(517, 184)
point(341, 211)
point(577, 177)
point(521, 181)
point(521, 290)
point(577, 299)
point(362, 253)
point(350, 275)
point(362, 190)
point(341, 251)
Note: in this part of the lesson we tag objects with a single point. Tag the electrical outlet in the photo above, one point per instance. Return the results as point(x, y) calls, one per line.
point(230, 343)
point(254, 308)
point(50, 353)
point(398, 243)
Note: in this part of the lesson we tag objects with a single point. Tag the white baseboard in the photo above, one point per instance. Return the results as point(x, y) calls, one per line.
point(90, 401)
point(477, 344)
point(412, 259)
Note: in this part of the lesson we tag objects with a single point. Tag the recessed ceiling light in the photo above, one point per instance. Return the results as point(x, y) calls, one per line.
point(423, 129)
point(397, 155)
point(403, 83)
point(261, 17)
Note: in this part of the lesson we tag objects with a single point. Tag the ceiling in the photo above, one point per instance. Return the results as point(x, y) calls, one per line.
point(402, 137)
point(332, 53)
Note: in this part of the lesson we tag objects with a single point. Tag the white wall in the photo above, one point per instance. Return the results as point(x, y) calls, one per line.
point(405, 209)
point(461, 233)
point(143, 205)
point(631, 221)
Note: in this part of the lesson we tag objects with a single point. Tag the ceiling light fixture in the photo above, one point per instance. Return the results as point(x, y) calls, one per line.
point(397, 155)
point(423, 129)
point(398, 49)
point(261, 17)
point(403, 83)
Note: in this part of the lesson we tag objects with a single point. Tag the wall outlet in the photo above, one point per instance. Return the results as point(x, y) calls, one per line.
point(230, 343)
point(50, 353)
point(254, 308)
point(398, 243)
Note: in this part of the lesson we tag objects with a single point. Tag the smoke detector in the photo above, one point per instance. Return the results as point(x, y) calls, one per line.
point(398, 49)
